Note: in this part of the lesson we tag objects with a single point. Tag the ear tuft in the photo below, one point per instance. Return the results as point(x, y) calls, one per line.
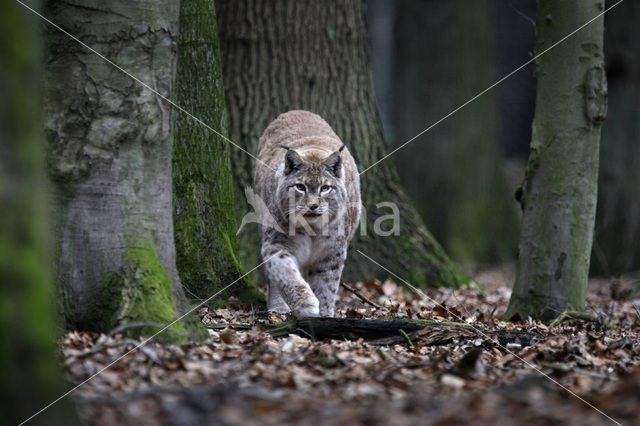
point(333, 163)
point(292, 161)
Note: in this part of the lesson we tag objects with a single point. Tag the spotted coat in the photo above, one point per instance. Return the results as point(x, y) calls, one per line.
point(311, 186)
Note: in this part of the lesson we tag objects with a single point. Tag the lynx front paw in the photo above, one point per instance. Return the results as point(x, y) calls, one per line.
point(309, 309)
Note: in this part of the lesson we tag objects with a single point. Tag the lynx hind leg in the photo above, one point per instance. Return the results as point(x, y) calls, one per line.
point(287, 282)
point(324, 279)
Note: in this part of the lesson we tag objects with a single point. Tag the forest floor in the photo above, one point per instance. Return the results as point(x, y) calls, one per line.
point(578, 372)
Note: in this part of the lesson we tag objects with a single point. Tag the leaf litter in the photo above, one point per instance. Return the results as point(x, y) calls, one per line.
point(523, 372)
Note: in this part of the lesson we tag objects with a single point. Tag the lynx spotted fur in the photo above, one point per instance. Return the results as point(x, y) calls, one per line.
point(311, 186)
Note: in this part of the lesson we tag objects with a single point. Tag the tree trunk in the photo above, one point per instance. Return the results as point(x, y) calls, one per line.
point(459, 184)
point(110, 142)
point(279, 56)
point(30, 377)
point(559, 193)
point(204, 215)
point(616, 249)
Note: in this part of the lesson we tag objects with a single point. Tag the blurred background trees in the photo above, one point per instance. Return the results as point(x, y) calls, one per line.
point(461, 173)
point(616, 246)
point(441, 55)
point(499, 37)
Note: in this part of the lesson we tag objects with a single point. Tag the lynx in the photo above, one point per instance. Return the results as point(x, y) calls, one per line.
point(311, 186)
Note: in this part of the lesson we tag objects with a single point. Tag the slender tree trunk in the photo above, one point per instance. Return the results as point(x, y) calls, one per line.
point(110, 142)
point(204, 210)
point(559, 193)
point(285, 55)
point(30, 377)
point(616, 248)
point(458, 185)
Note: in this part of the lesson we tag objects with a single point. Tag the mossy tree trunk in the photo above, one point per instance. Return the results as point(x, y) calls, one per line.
point(454, 171)
point(617, 233)
point(279, 56)
point(559, 193)
point(110, 142)
point(204, 210)
point(30, 377)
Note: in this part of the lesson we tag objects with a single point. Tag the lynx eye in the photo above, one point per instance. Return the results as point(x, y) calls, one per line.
point(300, 187)
point(324, 189)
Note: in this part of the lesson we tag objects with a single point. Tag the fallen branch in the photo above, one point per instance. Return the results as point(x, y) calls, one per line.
point(352, 328)
point(565, 368)
point(360, 296)
point(579, 315)
point(140, 324)
point(234, 325)
point(397, 331)
point(148, 351)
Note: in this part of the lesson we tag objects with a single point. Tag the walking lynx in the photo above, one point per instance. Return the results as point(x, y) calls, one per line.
point(311, 186)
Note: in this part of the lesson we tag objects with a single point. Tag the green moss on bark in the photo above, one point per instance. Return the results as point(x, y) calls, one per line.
point(148, 295)
point(204, 216)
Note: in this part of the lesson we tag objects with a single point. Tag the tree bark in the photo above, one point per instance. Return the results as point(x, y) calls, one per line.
point(559, 193)
point(110, 142)
point(204, 210)
point(31, 377)
point(459, 185)
point(279, 56)
point(616, 249)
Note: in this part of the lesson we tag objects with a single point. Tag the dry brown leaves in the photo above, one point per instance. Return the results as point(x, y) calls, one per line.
point(244, 376)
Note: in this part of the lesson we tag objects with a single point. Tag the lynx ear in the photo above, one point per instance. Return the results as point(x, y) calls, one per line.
point(292, 161)
point(333, 163)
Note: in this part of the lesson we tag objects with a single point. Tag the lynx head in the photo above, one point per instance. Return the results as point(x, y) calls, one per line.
point(311, 192)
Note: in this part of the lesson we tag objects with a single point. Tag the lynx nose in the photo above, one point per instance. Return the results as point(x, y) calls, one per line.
point(312, 207)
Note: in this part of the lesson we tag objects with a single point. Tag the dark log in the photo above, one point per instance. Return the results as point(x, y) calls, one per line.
point(353, 328)
point(399, 331)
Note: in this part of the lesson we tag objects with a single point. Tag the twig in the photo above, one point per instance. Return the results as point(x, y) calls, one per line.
point(561, 368)
point(139, 324)
point(406, 338)
point(223, 325)
point(362, 297)
point(149, 352)
point(577, 315)
point(100, 348)
point(388, 357)
point(298, 355)
point(145, 349)
point(564, 368)
point(306, 333)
